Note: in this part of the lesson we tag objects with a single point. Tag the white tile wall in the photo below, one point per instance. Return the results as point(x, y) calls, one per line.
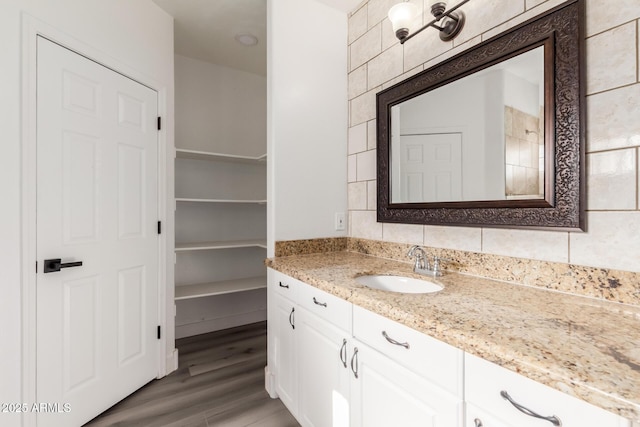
point(612, 241)
point(357, 138)
point(363, 225)
point(613, 119)
point(357, 193)
point(460, 238)
point(357, 24)
point(603, 15)
point(358, 81)
point(611, 58)
point(366, 47)
point(612, 180)
point(544, 246)
point(613, 129)
point(372, 195)
point(366, 165)
point(402, 233)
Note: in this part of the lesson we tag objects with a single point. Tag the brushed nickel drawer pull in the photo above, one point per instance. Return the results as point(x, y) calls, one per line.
point(552, 419)
point(343, 350)
point(291, 319)
point(394, 342)
point(354, 358)
point(316, 302)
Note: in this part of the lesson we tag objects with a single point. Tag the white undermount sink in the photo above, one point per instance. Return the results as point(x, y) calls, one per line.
point(401, 284)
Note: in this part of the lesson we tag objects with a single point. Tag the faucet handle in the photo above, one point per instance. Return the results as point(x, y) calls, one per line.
point(436, 265)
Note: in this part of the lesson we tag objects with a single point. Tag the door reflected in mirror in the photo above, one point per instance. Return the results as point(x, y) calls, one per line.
point(478, 138)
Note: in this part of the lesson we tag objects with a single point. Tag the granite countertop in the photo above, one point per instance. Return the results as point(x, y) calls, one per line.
point(582, 346)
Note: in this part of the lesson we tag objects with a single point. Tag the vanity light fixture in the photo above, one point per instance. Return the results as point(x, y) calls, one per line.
point(448, 22)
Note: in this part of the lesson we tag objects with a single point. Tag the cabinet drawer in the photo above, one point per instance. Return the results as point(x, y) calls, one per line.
point(282, 284)
point(484, 382)
point(326, 306)
point(434, 360)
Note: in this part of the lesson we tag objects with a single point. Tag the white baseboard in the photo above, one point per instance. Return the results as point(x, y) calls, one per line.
point(171, 363)
point(217, 324)
point(270, 383)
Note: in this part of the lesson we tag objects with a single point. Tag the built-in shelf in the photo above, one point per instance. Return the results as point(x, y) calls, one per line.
point(182, 153)
point(197, 200)
point(228, 244)
point(219, 288)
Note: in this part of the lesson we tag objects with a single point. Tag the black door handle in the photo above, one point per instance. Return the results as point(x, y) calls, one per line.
point(52, 265)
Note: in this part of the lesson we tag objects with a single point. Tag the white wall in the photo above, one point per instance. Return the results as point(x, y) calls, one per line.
point(307, 119)
point(136, 34)
point(219, 109)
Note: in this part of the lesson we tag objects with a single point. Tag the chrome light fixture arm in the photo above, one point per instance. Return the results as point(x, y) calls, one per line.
point(450, 28)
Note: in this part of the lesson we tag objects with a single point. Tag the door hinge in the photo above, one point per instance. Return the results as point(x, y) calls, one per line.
point(159, 227)
point(159, 123)
point(36, 267)
point(159, 335)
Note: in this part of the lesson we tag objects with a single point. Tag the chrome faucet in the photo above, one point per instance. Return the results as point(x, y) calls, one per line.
point(422, 264)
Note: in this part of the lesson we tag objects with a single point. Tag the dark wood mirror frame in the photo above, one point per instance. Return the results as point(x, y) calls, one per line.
point(560, 31)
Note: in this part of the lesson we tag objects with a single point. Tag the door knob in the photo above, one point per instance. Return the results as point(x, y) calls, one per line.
point(53, 265)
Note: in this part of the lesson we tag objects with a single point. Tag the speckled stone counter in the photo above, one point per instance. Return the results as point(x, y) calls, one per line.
point(585, 347)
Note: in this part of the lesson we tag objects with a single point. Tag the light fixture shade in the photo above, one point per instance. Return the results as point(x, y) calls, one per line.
point(401, 15)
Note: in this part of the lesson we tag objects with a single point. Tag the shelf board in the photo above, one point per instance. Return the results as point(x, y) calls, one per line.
point(220, 288)
point(198, 200)
point(182, 153)
point(227, 244)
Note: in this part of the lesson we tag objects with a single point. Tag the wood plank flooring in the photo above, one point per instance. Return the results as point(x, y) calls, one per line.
point(219, 382)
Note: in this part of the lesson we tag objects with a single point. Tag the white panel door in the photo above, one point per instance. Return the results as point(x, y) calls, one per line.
point(97, 203)
point(431, 167)
point(285, 354)
point(323, 372)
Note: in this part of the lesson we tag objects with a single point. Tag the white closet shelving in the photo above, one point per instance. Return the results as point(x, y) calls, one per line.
point(220, 223)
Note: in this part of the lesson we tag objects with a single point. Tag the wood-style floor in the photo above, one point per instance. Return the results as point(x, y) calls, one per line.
point(219, 382)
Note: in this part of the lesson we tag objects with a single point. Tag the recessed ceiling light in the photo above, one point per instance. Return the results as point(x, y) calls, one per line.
point(246, 39)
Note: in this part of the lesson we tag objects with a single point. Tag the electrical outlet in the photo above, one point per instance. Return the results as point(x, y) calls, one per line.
point(340, 221)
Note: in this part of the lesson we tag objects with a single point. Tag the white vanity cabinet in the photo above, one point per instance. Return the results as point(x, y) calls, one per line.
point(309, 333)
point(488, 388)
point(335, 364)
point(401, 377)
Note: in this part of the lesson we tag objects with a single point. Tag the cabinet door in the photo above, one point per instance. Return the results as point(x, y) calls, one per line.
point(384, 393)
point(284, 351)
point(323, 374)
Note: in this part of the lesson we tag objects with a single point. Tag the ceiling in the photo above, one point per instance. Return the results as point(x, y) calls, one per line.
point(205, 30)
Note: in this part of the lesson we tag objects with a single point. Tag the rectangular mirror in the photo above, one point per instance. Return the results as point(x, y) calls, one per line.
point(478, 138)
point(493, 136)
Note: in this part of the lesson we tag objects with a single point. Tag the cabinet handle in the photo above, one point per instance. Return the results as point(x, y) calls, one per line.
point(354, 359)
point(316, 302)
point(343, 351)
point(291, 319)
point(283, 286)
point(394, 342)
point(552, 419)
point(478, 422)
